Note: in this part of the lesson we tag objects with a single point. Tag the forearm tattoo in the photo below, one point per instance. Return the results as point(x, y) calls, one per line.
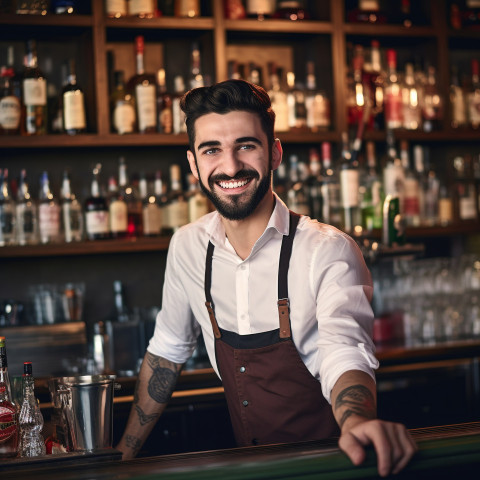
point(357, 400)
point(145, 418)
point(163, 379)
point(133, 442)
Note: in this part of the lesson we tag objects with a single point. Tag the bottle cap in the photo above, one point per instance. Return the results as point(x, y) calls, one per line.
point(27, 368)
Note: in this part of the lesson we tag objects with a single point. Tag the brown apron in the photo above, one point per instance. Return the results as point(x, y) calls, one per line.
point(271, 395)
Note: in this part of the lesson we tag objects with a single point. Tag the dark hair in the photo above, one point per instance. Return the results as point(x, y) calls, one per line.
point(225, 97)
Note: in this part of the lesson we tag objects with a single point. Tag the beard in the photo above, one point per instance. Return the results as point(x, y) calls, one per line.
point(237, 207)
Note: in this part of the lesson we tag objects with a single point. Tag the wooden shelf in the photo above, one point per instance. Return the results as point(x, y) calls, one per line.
point(9, 19)
point(388, 30)
point(279, 26)
point(165, 23)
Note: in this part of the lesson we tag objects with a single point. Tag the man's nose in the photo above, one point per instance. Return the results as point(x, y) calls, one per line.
point(231, 163)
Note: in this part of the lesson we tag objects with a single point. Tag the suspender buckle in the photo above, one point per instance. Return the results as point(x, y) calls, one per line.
point(284, 317)
point(213, 321)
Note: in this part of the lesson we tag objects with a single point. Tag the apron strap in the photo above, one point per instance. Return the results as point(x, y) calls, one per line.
point(208, 295)
point(283, 301)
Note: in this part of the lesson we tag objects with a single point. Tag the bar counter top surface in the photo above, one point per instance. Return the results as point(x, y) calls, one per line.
point(451, 451)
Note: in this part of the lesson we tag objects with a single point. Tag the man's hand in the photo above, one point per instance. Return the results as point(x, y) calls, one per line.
point(392, 442)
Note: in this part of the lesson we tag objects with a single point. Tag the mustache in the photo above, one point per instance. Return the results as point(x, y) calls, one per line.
point(241, 174)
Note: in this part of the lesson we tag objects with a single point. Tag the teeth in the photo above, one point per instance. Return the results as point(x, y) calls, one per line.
point(235, 184)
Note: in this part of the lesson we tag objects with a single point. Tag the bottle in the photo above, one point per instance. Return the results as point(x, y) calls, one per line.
point(368, 11)
point(393, 94)
point(458, 106)
point(316, 103)
point(466, 204)
point(30, 419)
point(197, 201)
point(151, 206)
point(278, 98)
point(117, 210)
point(375, 79)
point(143, 87)
point(411, 197)
point(406, 17)
point(96, 210)
point(297, 194)
point(349, 187)
point(187, 8)
point(74, 119)
point(26, 212)
point(431, 189)
point(372, 199)
point(291, 10)
point(72, 212)
point(164, 105)
point(281, 182)
point(34, 94)
point(445, 206)
point(432, 104)
point(132, 199)
point(121, 310)
point(411, 111)
point(332, 208)
point(48, 213)
point(297, 110)
point(9, 430)
point(393, 173)
point(196, 76)
point(473, 96)
point(64, 7)
point(260, 9)
point(122, 106)
point(55, 102)
point(7, 211)
point(10, 105)
point(234, 9)
point(141, 8)
point(314, 185)
point(356, 95)
point(177, 113)
point(116, 8)
point(177, 207)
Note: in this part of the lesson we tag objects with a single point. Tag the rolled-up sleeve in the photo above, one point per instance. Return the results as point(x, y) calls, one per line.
point(344, 289)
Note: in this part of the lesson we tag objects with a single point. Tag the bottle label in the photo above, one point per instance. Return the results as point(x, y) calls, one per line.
point(474, 108)
point(459, 110)
point(280, 107)
point(10, 113)
point(35, 92)
point(25, 219)
point(49, 220)
point(262, 7)
point(349, 182)
point(116, 8)
point(318, 111)
point(178, 117)
point(165, 120)
point(187, 8)
point(393, 107)
point(145, 95)
point(118, 216)
point(152, 219)
point(8, 423)
point(177, 214)
point(141, 7)
point(74, 110)
point(124, 118)
point(197, 207)
point(97, 222)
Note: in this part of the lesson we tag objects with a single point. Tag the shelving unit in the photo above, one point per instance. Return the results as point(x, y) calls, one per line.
point(90, 35)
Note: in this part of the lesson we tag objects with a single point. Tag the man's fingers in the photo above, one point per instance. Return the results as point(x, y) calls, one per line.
point(409, 448)
point(352, 447)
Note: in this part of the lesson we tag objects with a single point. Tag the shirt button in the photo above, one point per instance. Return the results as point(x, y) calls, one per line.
point(242, 369)
point(245, 403)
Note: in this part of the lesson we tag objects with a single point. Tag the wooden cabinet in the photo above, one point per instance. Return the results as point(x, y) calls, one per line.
point(90, 36)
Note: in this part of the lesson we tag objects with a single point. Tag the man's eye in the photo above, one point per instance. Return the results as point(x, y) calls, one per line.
point(210, 151)
point(246, 147)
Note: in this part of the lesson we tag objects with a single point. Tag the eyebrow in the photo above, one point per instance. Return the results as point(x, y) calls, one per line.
point(216, 143)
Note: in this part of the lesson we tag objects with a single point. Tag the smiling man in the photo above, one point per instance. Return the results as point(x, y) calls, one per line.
point(283, 301)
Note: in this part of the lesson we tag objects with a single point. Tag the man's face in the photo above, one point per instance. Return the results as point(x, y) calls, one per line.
point(233, 162)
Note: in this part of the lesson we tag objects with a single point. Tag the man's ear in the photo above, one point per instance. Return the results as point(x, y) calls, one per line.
point(192, 163)
point(277, 154)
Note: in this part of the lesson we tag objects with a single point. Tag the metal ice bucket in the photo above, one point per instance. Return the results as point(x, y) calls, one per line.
point(85, 410)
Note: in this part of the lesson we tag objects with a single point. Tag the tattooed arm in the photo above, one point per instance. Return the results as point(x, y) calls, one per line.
point(354, 408)
point(155, 384)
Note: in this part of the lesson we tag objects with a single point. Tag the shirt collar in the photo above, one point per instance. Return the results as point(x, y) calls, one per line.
point(279, 220)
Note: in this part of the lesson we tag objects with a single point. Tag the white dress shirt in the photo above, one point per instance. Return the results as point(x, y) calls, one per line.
point(329, 286)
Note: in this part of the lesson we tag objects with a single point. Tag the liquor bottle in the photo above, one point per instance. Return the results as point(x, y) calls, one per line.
point(143, 87)
point(33, 7)
point(197, 201)
point(234, 9)
point(141, 8)
point(117, 210)
point(30, 419)
point(393, 94)
point(72, 212)
point(55, 102)
point(291, 10)
point(432, 102)
point(471, 14)
point(431, 188)
point(458, 106)
point(116, 8)
point(96, 210)
point(48, 213)
point(151, 206)
point(411, 111)
point(406, 16)
point(371, 204)
point(26, 212)
point(260, 9)
point(393, 174)
point(177, 113)
point(466, 204)
point(375, 79)
point(314, 184)
point(445, 206)
point(356, 94)
point(10, 105)
point(8, 412)
point(64, 7)
point(278, 97)
point(297, 110)
point(74, 119)
point(281, 182)
point(132, 199)
point(473, 96)
point(332, 208)
point(349, 187)
point(7, 211)
point(368, 11)
point(196, 76)
point(316, 103)
point(297, 194)
point(122, 107)
point(34, 94)
point(121, 313)
point(177, 207)
point(187, 8)
point(164, 105)
point(412, 192)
